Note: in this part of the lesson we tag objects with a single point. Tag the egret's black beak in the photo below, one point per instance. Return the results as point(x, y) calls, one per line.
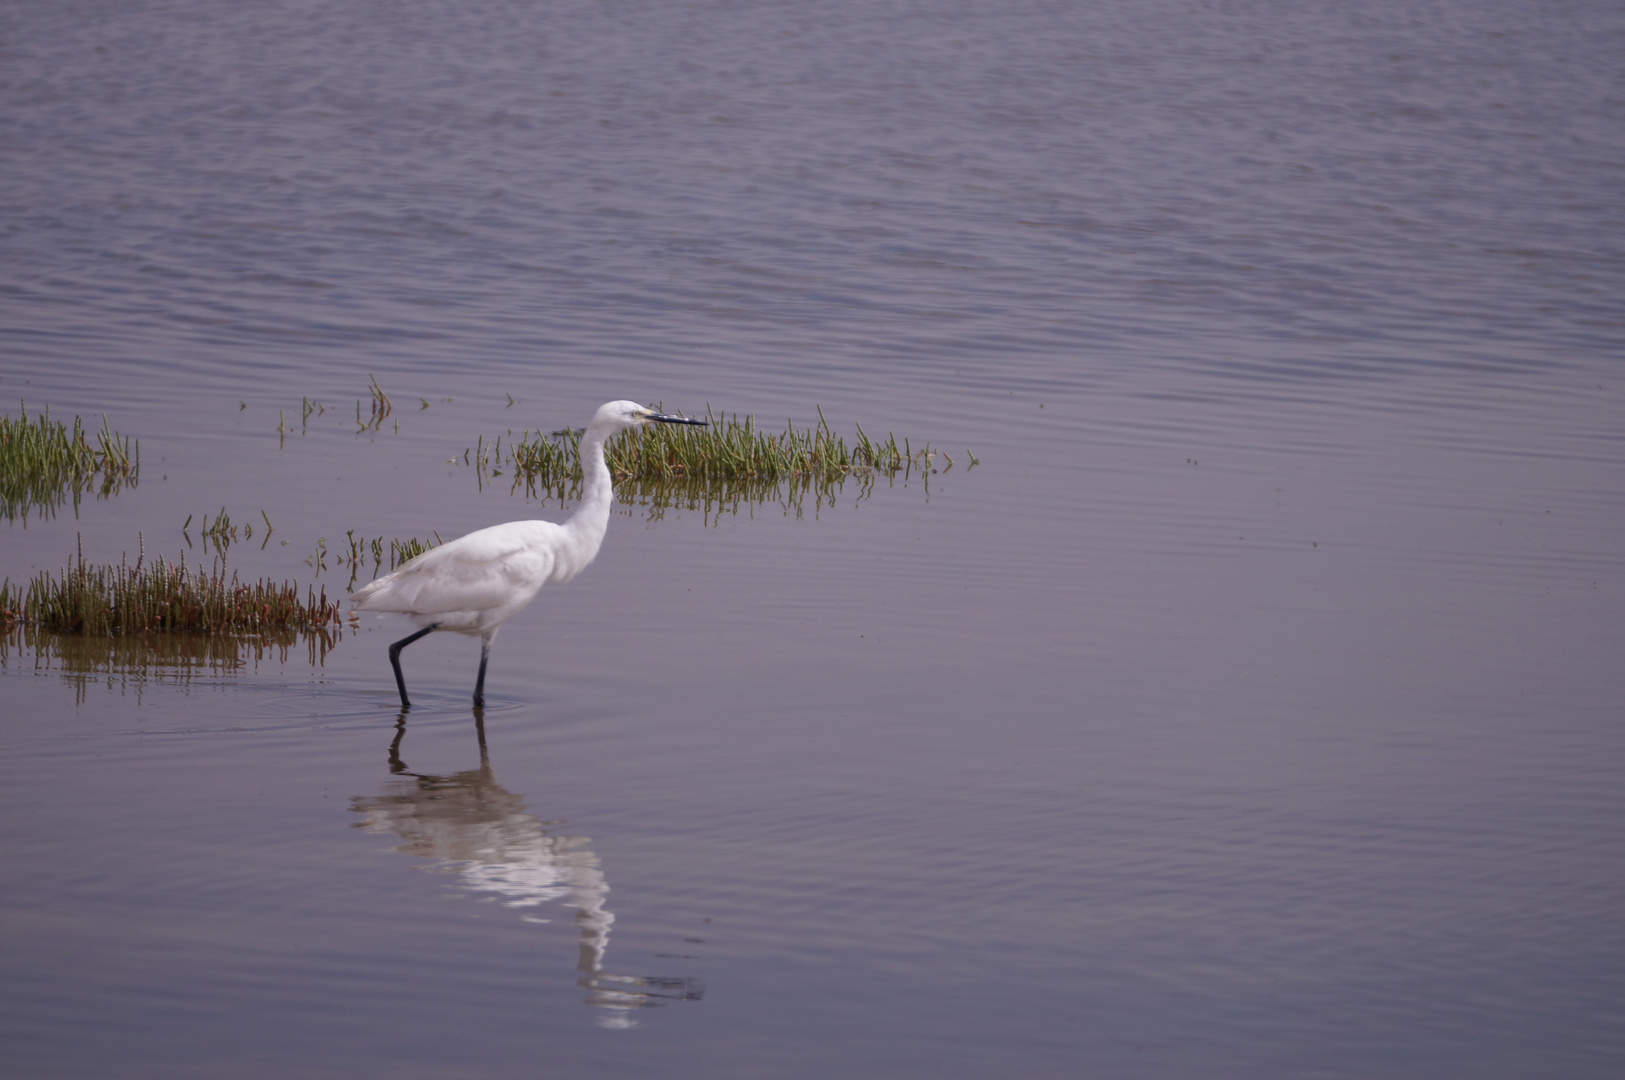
point(664, 419)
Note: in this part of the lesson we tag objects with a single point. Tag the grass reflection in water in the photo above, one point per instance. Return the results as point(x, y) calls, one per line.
point(129, 662)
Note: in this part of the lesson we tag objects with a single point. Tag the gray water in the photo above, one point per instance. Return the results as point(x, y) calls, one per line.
point(1252, 708)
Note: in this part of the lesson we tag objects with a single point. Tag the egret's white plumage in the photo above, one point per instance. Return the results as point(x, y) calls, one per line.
point(474, 584)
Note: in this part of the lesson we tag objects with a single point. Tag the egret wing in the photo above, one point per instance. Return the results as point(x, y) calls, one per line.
point(487, 569)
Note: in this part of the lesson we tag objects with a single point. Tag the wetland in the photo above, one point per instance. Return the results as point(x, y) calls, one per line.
point(1247, 704)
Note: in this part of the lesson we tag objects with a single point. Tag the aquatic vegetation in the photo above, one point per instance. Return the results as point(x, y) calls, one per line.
point(164, 597)
point(728, 463)
point(381, 407)
point(360, 548)
point(44, 463)
point(357, 551)
point(222, 533)
point(308, 407)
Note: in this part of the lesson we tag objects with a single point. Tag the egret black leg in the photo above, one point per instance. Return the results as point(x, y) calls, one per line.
point(479, 683)
point(395, 660)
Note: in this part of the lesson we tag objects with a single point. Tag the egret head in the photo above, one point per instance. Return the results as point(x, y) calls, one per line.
point(619, 415)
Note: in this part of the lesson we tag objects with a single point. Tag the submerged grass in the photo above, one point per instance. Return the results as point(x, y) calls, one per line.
point(164, 597)
point(44, 463)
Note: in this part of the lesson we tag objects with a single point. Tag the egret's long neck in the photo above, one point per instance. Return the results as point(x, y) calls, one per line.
point(586, 526)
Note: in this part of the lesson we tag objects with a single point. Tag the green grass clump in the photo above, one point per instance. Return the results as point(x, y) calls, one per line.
point(734, 449)
point(163, 597)
point(43, 463)
point(729, 460)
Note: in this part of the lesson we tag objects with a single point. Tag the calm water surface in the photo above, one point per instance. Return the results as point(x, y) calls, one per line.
point(1253, 708)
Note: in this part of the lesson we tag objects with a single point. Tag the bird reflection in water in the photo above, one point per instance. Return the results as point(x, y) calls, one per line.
point(471, 824)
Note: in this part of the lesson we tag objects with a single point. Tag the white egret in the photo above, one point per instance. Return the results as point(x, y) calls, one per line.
point(474, 584)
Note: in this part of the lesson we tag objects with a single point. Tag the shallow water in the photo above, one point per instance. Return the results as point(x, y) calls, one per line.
point(1251, 708)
